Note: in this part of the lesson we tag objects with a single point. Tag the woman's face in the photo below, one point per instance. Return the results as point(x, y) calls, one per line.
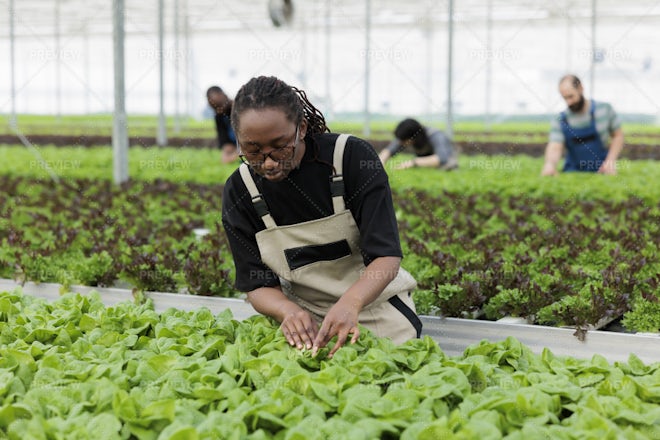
point(270, 143)
point(219, 101)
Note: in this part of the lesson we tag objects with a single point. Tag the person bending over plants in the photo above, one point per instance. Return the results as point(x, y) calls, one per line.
point(221, 105)
point(432, 147)
point(311, 226)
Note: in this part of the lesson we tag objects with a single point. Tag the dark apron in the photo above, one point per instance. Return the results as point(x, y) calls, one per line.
point(584, 147)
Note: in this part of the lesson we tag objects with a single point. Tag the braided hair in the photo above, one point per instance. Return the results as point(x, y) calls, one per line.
point(270, 92)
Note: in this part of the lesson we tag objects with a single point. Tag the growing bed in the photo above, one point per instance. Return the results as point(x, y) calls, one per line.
point(74, 368)
point(492, 240)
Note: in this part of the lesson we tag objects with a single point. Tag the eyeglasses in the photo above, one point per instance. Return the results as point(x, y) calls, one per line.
point(277, 154)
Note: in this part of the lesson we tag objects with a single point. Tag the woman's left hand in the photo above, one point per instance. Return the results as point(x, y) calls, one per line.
point(341, 321)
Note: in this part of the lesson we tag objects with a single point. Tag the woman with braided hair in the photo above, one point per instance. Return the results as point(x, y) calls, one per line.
point(311, 225)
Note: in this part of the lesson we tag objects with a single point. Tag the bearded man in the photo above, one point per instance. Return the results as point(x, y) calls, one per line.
point(588, 131)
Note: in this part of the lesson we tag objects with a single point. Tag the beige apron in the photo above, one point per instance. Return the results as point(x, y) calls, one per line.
point(318, 260)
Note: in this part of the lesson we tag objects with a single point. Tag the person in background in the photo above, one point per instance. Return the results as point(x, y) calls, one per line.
point(310, 223)
point(221, 104)
point(432, 147)
point(588, 131)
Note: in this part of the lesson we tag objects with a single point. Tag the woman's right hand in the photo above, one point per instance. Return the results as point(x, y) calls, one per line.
point(299, 328)
point(298, 325)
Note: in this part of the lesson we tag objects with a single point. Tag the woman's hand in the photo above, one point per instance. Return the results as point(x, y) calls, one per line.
point(299, 328)
point(341, 321)
point(298, 325)
point(342, 318)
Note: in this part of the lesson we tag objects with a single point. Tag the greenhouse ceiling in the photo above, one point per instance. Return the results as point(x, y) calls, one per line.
point(46, 18)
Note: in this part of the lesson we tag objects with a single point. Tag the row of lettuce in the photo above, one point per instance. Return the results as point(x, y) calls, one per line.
point(571, 262)
point(74, 368)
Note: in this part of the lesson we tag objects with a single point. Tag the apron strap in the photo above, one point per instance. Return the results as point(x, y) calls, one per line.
point(337, 179)
point(257, 199)
point(592, 113)
point(407, 312)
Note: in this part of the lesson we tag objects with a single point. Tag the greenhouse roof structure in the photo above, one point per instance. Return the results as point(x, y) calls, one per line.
point(39, 18)
point(424, 57)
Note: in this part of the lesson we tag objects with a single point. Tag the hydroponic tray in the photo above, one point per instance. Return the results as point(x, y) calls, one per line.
point(453, 335)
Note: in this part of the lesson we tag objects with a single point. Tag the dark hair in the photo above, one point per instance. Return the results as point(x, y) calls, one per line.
point(270, 92)
point(411, 129)
point(213, 89)
point(573, 79)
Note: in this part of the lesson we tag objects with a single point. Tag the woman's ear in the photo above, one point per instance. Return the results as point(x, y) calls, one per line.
point(302, 128)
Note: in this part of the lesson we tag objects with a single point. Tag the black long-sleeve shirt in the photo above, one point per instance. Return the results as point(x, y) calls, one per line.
point(305, 195)
point(225, 131)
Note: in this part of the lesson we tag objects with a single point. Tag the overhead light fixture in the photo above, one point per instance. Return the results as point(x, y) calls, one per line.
point(280, 12)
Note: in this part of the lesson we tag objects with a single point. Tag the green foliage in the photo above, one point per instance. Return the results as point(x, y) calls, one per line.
point(492, 237)
point(560, 261)
point(382, 126)
point(75, 368)
point(145, 164)
point(644, 316)
point(101, 125)
point(426, 302)
point(91, 271)
point(204, 269)
point(90, 233)
point(509, 302)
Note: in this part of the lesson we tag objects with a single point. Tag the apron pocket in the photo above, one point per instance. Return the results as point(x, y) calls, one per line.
point(301, 256)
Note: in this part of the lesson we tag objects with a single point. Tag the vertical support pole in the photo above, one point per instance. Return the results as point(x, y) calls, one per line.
point(58, 62)
point(13, 122)
point(592, 70)
point(489, 62)
point(366, 129)
point(177, 76)
point(328, 60)
point(161, 138)
point(119, 126)
point(450, 61)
